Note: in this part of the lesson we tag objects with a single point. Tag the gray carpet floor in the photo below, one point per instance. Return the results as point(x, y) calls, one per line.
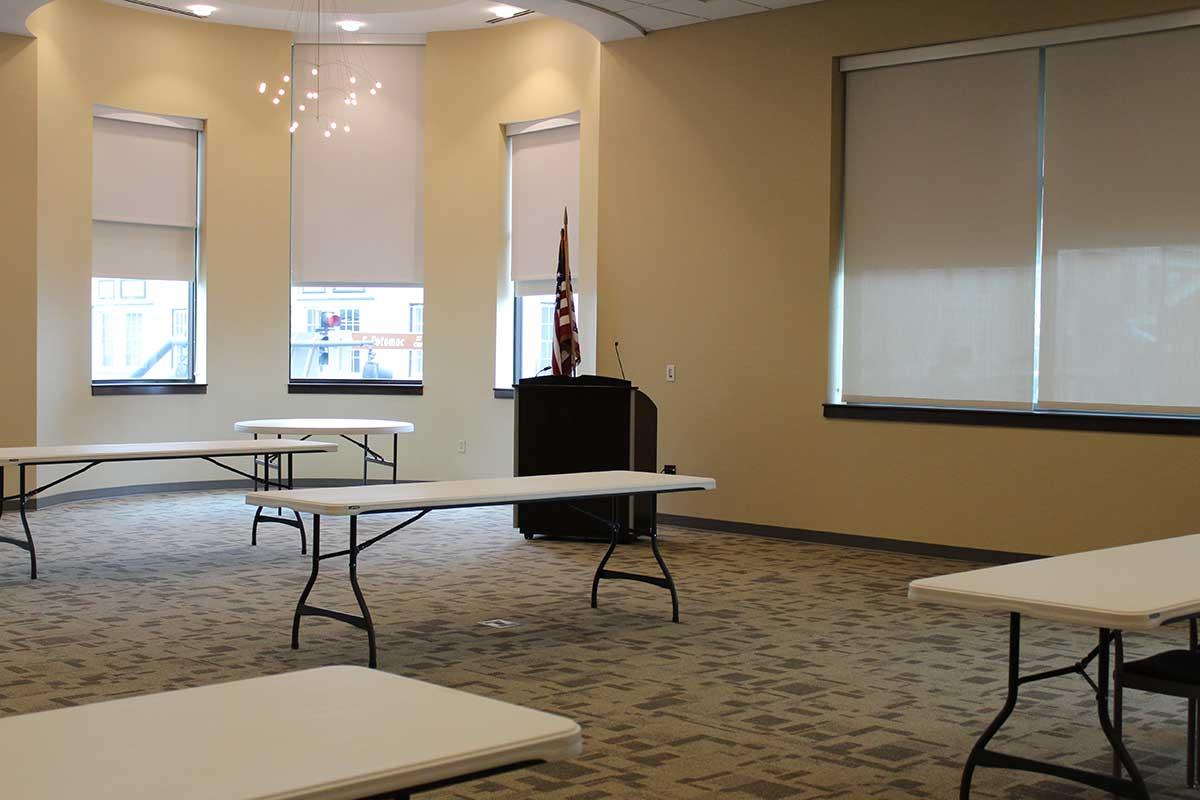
point(798, 670)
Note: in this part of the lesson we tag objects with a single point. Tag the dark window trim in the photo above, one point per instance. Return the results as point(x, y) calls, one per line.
point(1005, 418)
point(503, 394)
point(356, 387)
point(108, 388)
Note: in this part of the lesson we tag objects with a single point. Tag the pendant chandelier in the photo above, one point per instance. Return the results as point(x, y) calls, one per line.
point(328, 80)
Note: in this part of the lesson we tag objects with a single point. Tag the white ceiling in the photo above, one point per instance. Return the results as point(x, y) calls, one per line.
point(404, 20)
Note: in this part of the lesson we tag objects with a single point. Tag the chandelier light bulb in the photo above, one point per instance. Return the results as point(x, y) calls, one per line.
point(293, 127)
point(353, 94)
point(262, 88)
point(281, 92)
point(287, 78)
point(346, 128)
point(378, 85)
point(353, 79)
point(333, 126)
point(275, 100)
point(373, 91)
point(303, 107)
point(315, 71)
point(328, 134)
point(346, 101)
point(316, 95)
point(353, 102)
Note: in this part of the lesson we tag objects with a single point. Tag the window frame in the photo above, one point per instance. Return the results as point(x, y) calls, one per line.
point(345, 385)
point(1033, 417)
point(189, 384)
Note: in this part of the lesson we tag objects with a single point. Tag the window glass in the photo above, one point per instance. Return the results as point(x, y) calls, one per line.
point(143, 332)
point(534, 334)
point(357, 333)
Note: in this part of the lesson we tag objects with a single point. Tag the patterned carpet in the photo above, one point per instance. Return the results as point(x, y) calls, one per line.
point(799, 671)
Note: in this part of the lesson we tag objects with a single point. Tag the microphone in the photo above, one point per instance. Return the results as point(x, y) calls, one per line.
point(617, 347)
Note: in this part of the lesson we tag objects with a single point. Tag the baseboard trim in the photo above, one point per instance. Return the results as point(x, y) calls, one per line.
point(182, 486)
point(699, 523)
point(849, 540)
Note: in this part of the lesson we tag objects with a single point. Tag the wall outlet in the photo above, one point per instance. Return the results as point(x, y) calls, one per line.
point(669, 469)
point(462, 445)
point(670, 373)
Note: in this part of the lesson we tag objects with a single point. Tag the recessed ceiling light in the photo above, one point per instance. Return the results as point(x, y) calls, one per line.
point(350, 25)
point(505, 12)
point(202, 11)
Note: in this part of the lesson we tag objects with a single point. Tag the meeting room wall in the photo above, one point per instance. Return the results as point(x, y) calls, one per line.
point(477, 82)
point(18, 243)
point(718, 228)
point(89, 52)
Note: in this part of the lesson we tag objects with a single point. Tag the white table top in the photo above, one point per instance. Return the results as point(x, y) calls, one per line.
point(1135, 587)
point(322, 426)
point(333, 733)
point(346, 500)
point(73, 453)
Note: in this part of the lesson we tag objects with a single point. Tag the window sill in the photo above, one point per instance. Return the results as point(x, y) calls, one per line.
point(503, 394)
point(355, 387)
point(1002, 418)
point(108, 389)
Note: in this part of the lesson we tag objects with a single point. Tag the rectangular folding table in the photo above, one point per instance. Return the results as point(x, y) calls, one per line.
point(356, 501)
point(90, 455)
point(1132, 588)
point(334, 733)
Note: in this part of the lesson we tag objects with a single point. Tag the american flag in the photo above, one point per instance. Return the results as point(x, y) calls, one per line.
point(566, 332)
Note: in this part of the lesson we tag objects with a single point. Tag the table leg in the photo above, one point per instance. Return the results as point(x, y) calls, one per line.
point(980, 756)
point(25, 524)
point(366, 457)
point(358, 595)
point(395, 455)
point(312, 579)
point(303, 609)
point(666, 581)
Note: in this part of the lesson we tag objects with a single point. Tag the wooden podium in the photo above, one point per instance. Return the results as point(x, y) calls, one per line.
point(583, 424)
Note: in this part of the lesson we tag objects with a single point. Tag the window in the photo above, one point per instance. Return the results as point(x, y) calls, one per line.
point(357, 248)
point(179, 323)
point(133, 290)
point(374, 340)
point(351, 321)
point(543, 184)
point(145, 235)
point(999, 253)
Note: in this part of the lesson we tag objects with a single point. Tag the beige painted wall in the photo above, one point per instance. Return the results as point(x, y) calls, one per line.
point(18, 251)
point(90, 52)
point(477, 81)
point(715, 251)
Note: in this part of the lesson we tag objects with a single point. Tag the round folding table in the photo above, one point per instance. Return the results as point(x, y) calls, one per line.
point(305, 428)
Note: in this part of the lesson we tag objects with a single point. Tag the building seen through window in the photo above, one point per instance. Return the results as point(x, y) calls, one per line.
point(357, 333)
point(534, 334)
point(141, 329)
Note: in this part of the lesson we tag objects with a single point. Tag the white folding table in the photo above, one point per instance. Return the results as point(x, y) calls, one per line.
point(355, 501)
point(306, 428)
point(91, 455)
point(1132, 588)
point(334, 733)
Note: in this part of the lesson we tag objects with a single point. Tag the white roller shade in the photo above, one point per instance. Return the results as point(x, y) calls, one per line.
point(357, 197)
point(940, 232)
point(545, 180)
point(143, 173)
point(1121, 248)
point(150, 252)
